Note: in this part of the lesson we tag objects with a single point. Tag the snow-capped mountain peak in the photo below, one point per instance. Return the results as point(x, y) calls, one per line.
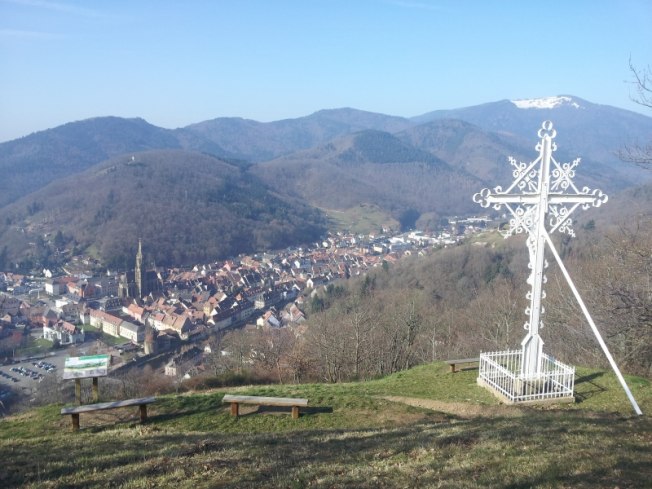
point(546, 103)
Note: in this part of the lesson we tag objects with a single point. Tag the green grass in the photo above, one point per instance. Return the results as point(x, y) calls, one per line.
point(364, 219)
point(107, 339)
point(490, 237)
point(35, 346)
point(93, 251)
point(351, 436)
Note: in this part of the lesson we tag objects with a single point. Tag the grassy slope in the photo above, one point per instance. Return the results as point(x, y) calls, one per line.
point(350, 437)
point(364, 219)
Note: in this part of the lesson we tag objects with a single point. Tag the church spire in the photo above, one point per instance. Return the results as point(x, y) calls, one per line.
point(138, 271)
point(139, 255)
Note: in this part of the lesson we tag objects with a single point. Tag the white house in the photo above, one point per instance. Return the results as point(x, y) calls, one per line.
point(106, 322)
point(64, 332)
point(52, 286)
point(133, 332)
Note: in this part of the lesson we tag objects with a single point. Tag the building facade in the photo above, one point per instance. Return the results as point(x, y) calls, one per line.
point(139, 283)
point(64, 332)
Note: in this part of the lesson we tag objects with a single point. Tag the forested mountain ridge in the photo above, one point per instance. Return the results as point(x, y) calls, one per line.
point(594, 132)
point(424, 168)
point(373, 167)
point(591, 131)
point(465, 146)
point(33, 161)
point(189, 208)
point(262, 141)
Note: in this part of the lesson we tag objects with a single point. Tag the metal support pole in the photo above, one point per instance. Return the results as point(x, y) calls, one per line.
point(532, 345)
point(593, 326)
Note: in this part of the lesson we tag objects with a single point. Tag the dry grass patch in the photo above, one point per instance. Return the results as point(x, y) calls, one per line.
point(356, 436)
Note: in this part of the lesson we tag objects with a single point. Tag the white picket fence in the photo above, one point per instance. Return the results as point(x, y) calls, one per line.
point(501, 371)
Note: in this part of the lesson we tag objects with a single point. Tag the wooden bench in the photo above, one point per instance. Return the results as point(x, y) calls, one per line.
point(87, 408)
point(462, 361)
point(235, 401)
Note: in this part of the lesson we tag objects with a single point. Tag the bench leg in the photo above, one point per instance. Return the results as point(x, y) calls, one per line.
point(452, 368)
point(295, 412)
point(235, 409)
point(143, 413)
point(75, 421)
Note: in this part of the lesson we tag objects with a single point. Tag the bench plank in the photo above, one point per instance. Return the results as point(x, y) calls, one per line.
point(266, 401)
point(461, 361)
point(87, 408)
point(294, 403)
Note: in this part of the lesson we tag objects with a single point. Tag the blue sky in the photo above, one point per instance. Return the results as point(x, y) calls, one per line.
point(174, 63)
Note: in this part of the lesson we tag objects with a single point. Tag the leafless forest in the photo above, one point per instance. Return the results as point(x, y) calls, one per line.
point(459, 302)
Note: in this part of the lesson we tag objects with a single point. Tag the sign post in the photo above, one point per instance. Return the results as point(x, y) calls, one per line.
point(93, 366)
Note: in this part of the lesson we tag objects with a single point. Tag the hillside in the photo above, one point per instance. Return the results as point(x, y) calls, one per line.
point(465, 146)
point(33, 161)
point(187, 207)
point(424, 427)
point(597, 133)
point(376, 168)
point(457, 301)
point(594, 132)
point(485, 154)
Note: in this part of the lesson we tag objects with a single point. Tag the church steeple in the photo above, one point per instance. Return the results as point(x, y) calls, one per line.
point(138, 271)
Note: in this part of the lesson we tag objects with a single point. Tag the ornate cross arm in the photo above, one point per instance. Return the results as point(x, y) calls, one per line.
point(486, 198)
point(523, 207)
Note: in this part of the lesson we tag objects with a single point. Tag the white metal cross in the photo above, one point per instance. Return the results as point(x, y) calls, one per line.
point(543, 190)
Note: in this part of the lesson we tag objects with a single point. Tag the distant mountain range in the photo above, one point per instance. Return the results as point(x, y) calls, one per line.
point(426, 167)
point(594, 132)
point(262, 141)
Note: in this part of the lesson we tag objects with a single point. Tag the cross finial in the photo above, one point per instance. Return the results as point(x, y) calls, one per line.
point(547, 130)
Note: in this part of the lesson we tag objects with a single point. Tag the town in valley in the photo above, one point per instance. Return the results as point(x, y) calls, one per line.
point(167, 317)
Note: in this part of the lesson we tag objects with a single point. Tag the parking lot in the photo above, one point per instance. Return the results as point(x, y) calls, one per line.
point(22, 377)
point(40, 368)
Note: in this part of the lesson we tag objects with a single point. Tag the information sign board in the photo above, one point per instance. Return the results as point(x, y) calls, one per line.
point(85, 367)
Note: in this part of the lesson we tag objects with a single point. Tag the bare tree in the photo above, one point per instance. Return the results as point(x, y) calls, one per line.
point(628, 296)
point(500, 312)
point(358, 321)
point(238, 344)
point(52, 389)
point(643, 84)
point(431, 344)
point(328, 347)
point(614, 278)
point(216, 361)
point(136, 382)
point(300, 362)
point(642, 81)
point(270, 348)
point(398, 327)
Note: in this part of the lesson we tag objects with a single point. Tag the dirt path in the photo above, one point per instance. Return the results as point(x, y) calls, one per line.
point(460, 409)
